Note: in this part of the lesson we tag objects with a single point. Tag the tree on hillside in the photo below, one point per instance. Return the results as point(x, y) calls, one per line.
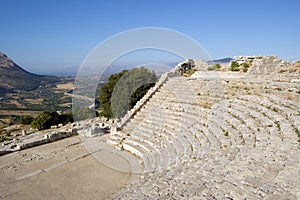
point(124, 89)
point(82, 113)
point(45, 120)
point(27, 119)
point(106, 92)
point(66, 118)
point(49, 118)
point(139, 93)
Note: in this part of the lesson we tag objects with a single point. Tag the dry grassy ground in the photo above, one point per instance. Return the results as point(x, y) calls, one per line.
point(19, 112)
point(34, 101)
point(65, 86)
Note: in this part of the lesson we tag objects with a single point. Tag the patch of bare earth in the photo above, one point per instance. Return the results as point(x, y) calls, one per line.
point(59, 170)
point(17, 104)
point(34, 101)
point(64, 86)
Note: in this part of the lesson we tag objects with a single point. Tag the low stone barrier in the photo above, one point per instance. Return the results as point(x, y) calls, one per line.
point(51, 137)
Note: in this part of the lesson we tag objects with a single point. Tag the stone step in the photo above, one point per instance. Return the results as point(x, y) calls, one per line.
point(136, 168)
point(277, 99)
point(142, 152)
point(137, 148)
point(279, 121)
point(149, 134)
point(176, 135)
point(162, 132)
point(203, 141)
point(232, 125)
point(165, 153)
point(254, 123)
point(224, 128)
point(249, 129)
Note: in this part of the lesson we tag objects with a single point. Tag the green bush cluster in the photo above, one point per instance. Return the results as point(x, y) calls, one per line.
point(83, 113)
point(298, 133)
point(226, 133)
point(126, 88)
point(27, 119)
point(234, 66)
point(214, 67)
point(106, 93)
point(139, 93)
point(245, 66)
point(189, 72)
point(49, 118)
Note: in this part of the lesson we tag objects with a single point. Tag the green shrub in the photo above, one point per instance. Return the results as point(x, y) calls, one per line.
point(214, 67)
point(298, 133)
point(245, 69)
point(277, 125)
point(8, 133)
point(139, 93)
point(245, 66)
point(235, 66)
point(27, 119)
point(45, 120)
point(66, 118)
point(82, 114)
point(226, 133)
point(2, 139)
point(14, 119)
point(189, 72)
point(49, 118)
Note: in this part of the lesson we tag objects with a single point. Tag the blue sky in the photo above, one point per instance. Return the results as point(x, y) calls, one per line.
point(50, 36)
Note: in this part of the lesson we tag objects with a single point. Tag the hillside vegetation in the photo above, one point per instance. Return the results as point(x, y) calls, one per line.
point(123, 90)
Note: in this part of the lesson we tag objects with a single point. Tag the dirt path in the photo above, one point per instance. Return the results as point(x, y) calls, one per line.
point(59, 170)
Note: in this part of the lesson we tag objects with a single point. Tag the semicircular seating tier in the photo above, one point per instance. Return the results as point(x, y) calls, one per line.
point(216, 136)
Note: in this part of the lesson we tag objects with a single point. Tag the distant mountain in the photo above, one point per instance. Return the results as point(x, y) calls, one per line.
point(223, 60)
point(13, 77)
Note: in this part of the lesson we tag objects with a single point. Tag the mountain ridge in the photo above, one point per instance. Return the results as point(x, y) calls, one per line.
point(13, 77)
point(221, 60)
